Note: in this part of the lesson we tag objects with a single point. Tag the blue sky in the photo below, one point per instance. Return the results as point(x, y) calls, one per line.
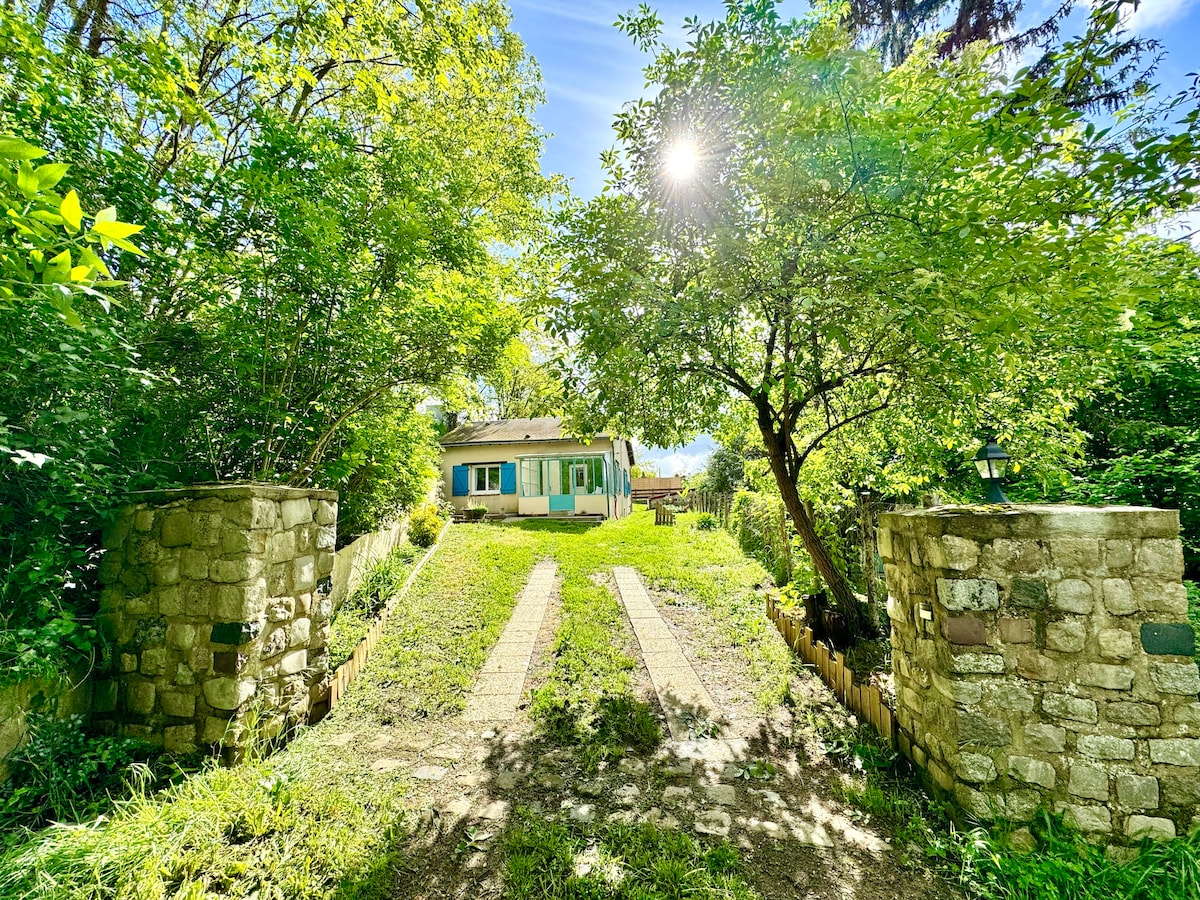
point(590, 69)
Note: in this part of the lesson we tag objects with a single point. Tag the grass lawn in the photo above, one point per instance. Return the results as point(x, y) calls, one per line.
point(312, 821)
point(316, 821)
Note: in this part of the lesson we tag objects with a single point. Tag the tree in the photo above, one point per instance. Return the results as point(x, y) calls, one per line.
point(726, 467)
point(57, 346)
point(895, 26)
point(1142, 444)
point(520, 388)
point(339, 206)
point(794, 227)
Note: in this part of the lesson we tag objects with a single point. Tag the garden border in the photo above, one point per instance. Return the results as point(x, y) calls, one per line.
point(343, 676)
point(864, 700)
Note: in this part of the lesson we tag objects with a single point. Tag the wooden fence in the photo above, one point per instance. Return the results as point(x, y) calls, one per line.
point(662, 515)
point(719, 505)
point(345, 674)
point(864, 700)
point(647, 490)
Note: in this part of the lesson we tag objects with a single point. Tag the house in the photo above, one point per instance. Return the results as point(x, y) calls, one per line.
point(530, 467)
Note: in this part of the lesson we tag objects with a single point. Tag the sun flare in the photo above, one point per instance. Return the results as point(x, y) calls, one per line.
point(682, 160)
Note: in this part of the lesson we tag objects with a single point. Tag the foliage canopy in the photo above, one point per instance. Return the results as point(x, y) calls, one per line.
point(337, 205)
point(938, 245)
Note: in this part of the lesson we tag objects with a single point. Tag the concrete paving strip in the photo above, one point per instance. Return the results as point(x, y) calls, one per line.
point(680, 691)
point(501, 684)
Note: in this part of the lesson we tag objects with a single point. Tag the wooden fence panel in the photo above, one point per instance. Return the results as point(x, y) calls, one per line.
point(865, 700)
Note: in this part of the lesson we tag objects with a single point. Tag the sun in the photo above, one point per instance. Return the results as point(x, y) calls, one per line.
point(682, 160)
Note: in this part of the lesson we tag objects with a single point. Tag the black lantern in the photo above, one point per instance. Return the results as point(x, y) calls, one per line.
point(992, 463)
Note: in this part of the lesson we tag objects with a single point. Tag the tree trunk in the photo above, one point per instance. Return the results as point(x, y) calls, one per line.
point(840, 590)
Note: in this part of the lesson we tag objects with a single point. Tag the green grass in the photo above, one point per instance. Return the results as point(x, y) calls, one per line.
point(587, 701)
point(1064, 865)
point(702, 566)
point(312, 821)
point(354, 616)
point(437, 639)
point(622, 862)
point(281, 827)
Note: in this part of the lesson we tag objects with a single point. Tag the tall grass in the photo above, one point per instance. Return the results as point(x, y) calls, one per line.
point(277, 827)
point(352, 619)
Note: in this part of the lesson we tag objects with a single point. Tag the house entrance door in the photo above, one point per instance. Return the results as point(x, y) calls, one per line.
point(563, 499)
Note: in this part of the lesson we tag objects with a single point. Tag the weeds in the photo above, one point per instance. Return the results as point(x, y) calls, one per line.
point(265, 828)
point(65, 773)
point(586, 701)
point(985, 864)
point(616, 862)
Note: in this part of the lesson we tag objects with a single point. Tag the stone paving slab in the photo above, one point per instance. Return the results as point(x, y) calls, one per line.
point(501, 683)
point(508, 663)
point(680, 691)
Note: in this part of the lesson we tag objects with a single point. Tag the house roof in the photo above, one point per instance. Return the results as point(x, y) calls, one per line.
point(509, 431)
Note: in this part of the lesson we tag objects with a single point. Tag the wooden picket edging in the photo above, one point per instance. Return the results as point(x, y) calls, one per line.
point(662, 515)
point(345, 674)
point(864, 700)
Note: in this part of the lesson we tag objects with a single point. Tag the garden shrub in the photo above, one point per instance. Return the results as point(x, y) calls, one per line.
point(387, 460)
point(707, 522)
point(424, 525)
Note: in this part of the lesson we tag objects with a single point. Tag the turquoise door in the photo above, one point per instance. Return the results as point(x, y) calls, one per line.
point(562, 494)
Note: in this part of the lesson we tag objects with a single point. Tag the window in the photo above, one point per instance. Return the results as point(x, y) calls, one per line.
point(532, 478)
point(554, 476)
point(486, 479)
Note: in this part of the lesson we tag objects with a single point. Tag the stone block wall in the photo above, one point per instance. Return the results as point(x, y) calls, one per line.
point(215, 598)
point(1042, 659)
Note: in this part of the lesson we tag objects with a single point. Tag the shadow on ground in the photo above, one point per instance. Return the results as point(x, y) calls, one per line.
point(503, 808)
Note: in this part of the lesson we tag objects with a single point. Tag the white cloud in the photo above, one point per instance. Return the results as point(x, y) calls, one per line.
point(1157, 13)
point(686, 460)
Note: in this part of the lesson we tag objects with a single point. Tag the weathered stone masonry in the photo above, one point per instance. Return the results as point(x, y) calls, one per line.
point(1042, 658)
point(215, 598)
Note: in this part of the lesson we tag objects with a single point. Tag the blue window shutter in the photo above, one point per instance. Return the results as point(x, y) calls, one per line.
point(508, 478)
point(461, 481)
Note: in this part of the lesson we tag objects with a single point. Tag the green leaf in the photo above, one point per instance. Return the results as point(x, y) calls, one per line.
point(115, 230)
point(15, 148)
point(27, 182)
point(126, 245)
point(87, 257)
point(49, 176)
point(70, 210)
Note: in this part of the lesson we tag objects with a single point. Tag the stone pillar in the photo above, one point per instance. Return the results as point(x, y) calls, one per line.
point(1043, 659)
point(215, 598)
